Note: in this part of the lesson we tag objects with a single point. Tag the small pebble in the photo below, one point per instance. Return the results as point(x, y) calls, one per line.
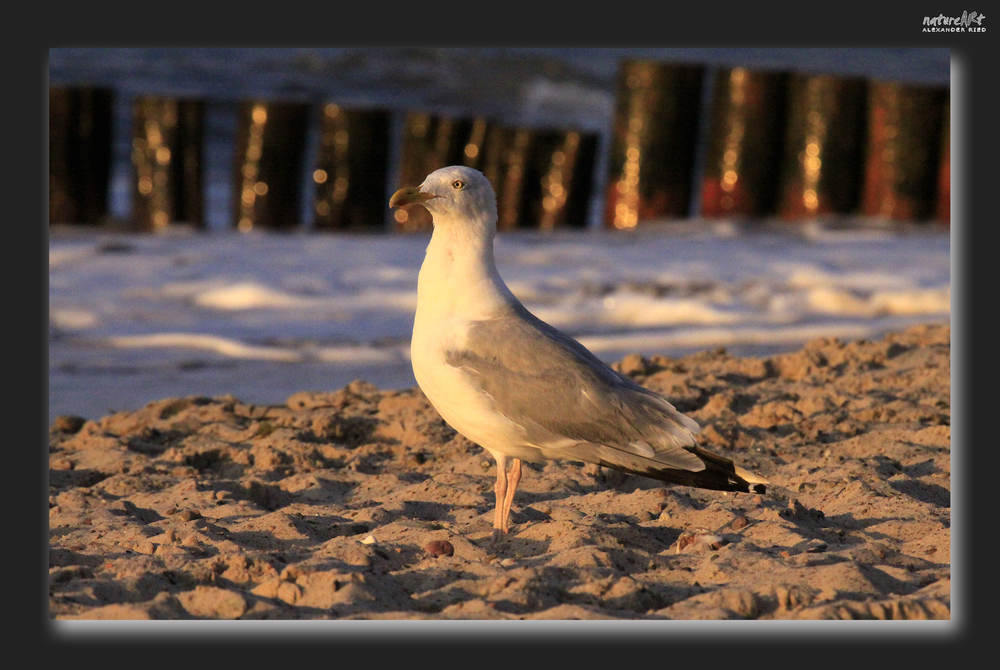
point(740, 522)
point(68, 424)
point(189, 514)
point(369, 540)
point(715, 542)
point(633, 364)
point(699, 539)
point(440, 548)
point(815, 547)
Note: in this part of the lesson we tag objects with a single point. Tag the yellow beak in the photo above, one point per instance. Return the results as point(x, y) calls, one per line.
point(410, 196)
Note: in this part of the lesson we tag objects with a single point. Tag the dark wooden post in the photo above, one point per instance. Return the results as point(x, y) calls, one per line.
point(514, 165)
point(823, 161)
point(269, 164)
point(943, 212)
point(491, 158)
point(475, 146)
point(79, 154)
point(542, 178)
point(744, 151)
point(566, 176)
point(430, 142)
point(654, 142)
point(352, 169)
point(166, 162)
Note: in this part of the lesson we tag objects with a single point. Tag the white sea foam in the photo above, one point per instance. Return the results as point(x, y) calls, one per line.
point(705, 338)
point(190, 312)
point(220, 345)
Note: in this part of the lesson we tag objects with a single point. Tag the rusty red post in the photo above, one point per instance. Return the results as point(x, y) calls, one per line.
point(903, 157)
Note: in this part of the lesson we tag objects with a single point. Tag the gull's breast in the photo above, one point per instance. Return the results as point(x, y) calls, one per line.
point(455, 395)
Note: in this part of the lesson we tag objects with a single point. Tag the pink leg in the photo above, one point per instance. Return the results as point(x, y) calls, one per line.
point(513, 477)
point(499, 525)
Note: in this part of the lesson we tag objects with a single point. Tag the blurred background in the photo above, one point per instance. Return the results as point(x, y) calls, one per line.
point(218, 218)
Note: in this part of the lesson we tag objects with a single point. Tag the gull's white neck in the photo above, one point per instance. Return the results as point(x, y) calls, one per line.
point(459, 278)
point(458, 286)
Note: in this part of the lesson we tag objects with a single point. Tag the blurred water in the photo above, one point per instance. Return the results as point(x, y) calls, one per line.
point(135, 318)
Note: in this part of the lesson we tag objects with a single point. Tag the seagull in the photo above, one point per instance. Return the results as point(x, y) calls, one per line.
point(520, 388)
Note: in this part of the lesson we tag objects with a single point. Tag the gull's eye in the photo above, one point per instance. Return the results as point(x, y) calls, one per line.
point(458, 184)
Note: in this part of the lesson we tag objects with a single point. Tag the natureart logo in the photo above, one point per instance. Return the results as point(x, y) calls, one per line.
point(955, 24)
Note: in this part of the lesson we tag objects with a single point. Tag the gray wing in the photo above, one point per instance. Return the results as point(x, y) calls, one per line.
point(568, 401)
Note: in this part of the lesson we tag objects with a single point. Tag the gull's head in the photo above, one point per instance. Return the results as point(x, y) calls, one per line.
point(455, 194)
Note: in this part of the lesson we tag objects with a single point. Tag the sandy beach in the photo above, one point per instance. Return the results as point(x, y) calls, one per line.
point(363, 504)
